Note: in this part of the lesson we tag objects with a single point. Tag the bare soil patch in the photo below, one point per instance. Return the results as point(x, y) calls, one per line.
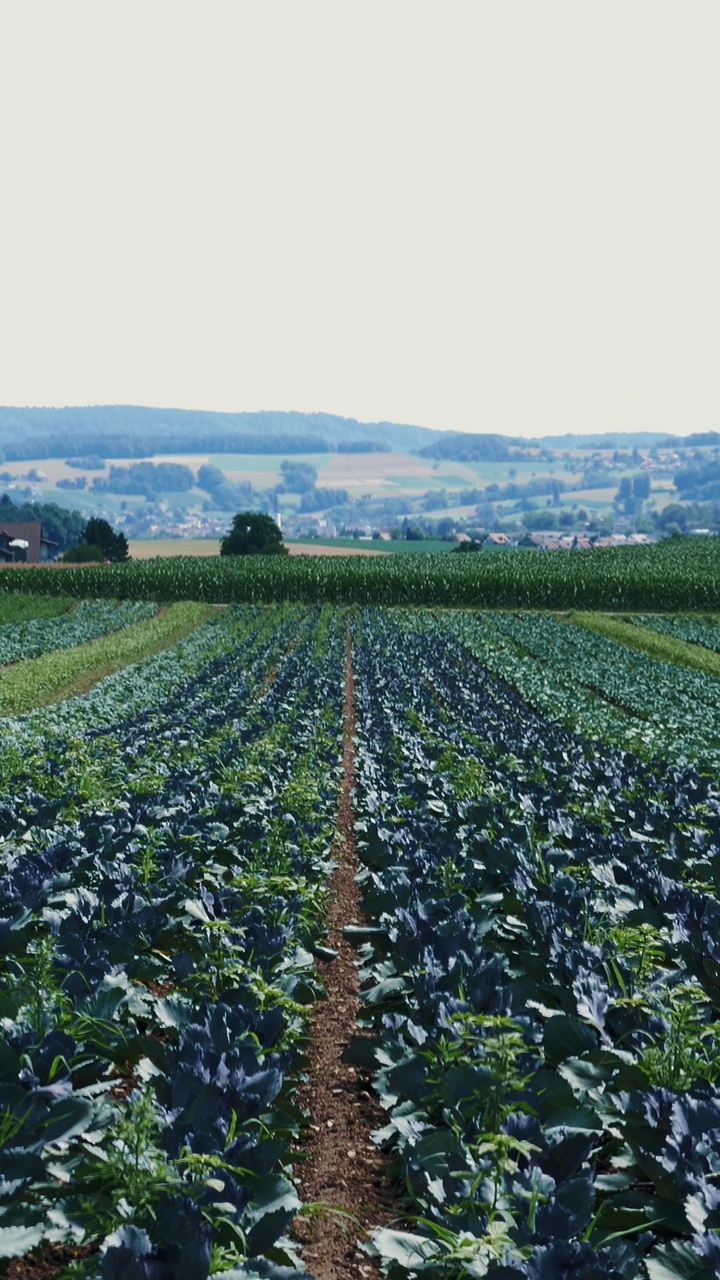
point(314, 549)
point(343, 1168)
point(48, 1264)
point(148, 548)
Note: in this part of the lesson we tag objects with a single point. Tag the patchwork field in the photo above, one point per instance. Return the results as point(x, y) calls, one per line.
point(403, 476)
point(535, 816)
point(376, 473)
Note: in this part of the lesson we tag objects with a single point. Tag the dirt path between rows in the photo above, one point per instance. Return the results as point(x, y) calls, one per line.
point(343, 1168)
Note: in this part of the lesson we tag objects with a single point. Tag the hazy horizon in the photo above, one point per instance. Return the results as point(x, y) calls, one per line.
point(481, 215)
point(310, 412)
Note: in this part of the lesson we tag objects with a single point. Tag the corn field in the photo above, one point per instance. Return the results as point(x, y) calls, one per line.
point(680, 574)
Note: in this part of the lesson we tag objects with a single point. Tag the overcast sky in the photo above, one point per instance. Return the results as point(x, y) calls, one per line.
point(488, 215)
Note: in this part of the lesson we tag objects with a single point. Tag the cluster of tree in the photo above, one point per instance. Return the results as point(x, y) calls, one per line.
point(534, 521)
point(60, 526)
point(91, 462)
point(33, 475)
point(632, 492)
point(538, 518)
point(420, 529)
point(320, 499)
point(596, 477)
point(638, 486)
point(226, 495)
point(366, 510)
point(459, 446)
point(146, 478)
point(700, 481)
point(150, 480)
point(537, 486)
point(297, 477)
point(437, 500)
point(99, 543)
point(363, 446)
point(608, 440)
point(123, 445)
point(79, 482)
point(679, 517)
point(696, 439)
point(255, 444)
point(380, 509)
point(128, 445)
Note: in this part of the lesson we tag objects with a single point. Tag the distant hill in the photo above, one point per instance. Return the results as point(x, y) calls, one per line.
point(135, 431)
point(468, 446)
point(132, 431)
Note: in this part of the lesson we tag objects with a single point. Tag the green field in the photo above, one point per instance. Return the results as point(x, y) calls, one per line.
point(536, 841)
point(679, 573)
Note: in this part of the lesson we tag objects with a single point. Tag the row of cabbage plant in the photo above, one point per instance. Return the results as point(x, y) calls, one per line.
point(158, 954)
point(703, 630)
point(88, 620)
point(542, 976)
point(598, 686)
point(75, 752)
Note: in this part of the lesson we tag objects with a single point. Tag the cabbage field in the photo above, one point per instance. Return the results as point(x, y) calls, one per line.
point(537, 811)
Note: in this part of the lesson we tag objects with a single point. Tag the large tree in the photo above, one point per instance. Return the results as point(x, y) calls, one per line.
point(100, 542)
point(100, 534)
point(253, 534)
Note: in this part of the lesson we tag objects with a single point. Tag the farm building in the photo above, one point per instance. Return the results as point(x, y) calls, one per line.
point(22, 541)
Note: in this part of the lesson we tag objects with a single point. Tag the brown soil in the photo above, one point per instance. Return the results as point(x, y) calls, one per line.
point(310, 549)
point(343, 1169)
point(272, 675)
point(47, 1264)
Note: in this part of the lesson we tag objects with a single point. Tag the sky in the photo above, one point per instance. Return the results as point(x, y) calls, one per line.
point(478, 215)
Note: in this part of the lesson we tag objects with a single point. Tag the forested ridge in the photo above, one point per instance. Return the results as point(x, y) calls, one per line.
point(137, 431)
point(133, 431)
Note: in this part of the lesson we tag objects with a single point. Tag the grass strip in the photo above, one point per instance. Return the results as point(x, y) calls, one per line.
point(653, 644)
point(66, 672)
point(27, 608)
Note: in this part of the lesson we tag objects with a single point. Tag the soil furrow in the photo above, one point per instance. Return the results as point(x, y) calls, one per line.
point(342, 1170)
